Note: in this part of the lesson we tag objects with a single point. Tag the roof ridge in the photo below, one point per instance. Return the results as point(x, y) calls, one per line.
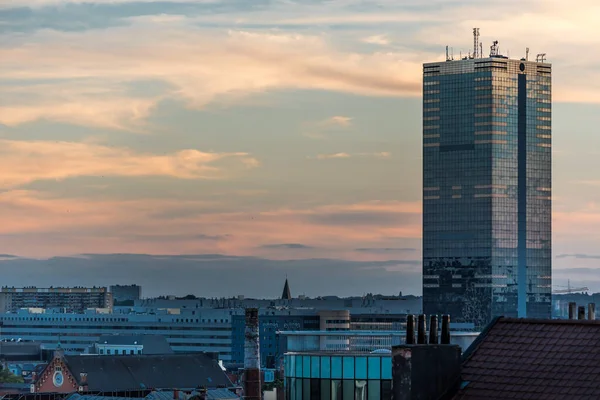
point(549, 321)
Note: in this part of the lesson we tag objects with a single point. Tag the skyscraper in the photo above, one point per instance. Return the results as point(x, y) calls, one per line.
point(487, 187)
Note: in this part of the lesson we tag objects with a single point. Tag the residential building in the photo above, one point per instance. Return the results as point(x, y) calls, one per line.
point(70, 299)
point(487, 187)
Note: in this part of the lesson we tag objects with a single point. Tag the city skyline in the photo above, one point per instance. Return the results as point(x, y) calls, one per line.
point(202, 127)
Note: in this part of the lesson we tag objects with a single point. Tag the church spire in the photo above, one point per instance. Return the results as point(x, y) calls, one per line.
point(287, 294)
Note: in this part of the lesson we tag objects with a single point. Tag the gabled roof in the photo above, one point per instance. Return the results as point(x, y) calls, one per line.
point(153, 344)
point(174, 371)
point(533, 359)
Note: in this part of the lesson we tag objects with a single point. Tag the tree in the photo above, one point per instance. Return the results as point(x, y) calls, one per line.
point(8, 377)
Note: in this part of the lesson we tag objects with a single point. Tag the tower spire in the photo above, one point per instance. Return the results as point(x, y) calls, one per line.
point(287, 294)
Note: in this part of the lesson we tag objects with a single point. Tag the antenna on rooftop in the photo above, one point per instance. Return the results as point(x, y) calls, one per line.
point(475, 42)
point(447, 58)
point(494, 49)
point(480, 50)
point(527, 54)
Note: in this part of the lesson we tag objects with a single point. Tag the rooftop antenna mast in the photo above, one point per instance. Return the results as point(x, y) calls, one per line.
point(494, 49)
point(476, 43)
point(527, 54)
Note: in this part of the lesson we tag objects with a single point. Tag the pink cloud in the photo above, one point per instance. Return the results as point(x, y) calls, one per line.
point(173, 226)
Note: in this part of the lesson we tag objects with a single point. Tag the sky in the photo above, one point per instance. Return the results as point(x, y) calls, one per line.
point(282, 131)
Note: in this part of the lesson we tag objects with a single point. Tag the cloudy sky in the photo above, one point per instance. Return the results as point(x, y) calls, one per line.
point(280, 130)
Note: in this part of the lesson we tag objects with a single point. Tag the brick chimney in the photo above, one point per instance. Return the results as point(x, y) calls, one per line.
point(252, 381)
point(426, 371)
point(83, 382)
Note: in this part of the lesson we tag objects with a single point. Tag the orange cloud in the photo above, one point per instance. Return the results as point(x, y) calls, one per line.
point(38, 225)
point(28, 161)
point(200, 67)
point(383, 154)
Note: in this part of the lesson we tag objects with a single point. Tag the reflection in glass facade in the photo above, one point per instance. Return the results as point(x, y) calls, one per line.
point(487, 189)
point(338, 376)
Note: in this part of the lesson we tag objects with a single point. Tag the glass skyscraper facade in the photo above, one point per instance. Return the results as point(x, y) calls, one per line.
point(487, 189)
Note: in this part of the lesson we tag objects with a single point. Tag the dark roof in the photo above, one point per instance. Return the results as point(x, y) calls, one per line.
point(287, 294)
point(173, 371)
point(153, 344)
point(211, 394)
point(533, 359)
point(20, 350)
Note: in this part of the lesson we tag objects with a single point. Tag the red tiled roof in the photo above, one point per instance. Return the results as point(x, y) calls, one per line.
point(533, 359)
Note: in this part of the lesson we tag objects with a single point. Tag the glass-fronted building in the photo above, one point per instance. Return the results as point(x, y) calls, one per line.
point(345, 365)
point(322, 376)
point(487, 188)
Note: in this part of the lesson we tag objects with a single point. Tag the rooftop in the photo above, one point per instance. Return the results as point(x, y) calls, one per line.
point(106, 373)
point(153, 344)
point(357, 341)
point(529, 358)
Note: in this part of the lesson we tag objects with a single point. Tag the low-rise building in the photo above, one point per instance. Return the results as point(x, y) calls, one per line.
point(131, 345)
point(90, 373)
point(345, 364)
point(188, 332)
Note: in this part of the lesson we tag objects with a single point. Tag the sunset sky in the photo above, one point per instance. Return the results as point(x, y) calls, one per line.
point(274, 129)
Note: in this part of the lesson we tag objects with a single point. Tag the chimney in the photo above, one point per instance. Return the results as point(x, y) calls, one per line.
point(581, 312)
point(421, 330)
point(592, 311)
point(410, 329)
point(572, 310)
point(83, 382)
point(433, 329)
point(445, 339)
point(423, 372)
point(252, 382)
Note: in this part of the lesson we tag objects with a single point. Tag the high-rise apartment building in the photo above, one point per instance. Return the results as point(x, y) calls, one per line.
point(487, 187)
point(71, 299)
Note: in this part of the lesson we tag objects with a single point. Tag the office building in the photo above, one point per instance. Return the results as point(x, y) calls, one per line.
point(125, 293)
point(189, 331)
point(487, 186)
point(345, 364)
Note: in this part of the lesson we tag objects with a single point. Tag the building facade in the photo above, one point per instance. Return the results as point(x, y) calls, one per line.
point(360, 369)
point(71, 299)
point(125, 293)
point(487, 188)
point(188, 332)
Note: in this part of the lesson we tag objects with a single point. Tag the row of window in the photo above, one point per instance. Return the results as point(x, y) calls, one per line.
point(336, 389)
